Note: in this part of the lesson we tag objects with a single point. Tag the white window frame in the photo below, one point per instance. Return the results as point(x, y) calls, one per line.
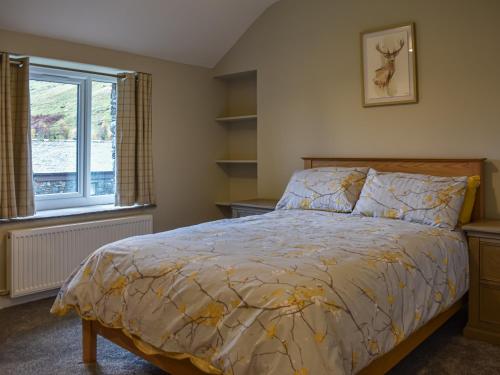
point(84, 140)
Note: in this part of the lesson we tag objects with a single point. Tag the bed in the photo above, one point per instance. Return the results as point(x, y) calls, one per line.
point(300, 292)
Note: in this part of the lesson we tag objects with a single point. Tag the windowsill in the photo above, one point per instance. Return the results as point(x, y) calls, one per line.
point(76, 211)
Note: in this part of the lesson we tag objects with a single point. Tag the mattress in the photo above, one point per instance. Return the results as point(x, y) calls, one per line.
point(289, 292)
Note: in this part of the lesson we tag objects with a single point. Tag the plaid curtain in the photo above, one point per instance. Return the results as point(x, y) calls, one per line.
point(134, 158)
point(16, 176)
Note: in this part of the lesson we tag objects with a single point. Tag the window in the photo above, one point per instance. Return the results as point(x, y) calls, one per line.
point(73, 118)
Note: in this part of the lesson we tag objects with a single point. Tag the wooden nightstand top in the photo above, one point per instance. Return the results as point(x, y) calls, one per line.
point(257, 203)
point(483, 226)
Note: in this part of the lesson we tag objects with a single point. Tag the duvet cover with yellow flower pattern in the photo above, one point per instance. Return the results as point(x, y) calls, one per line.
point(289, 292)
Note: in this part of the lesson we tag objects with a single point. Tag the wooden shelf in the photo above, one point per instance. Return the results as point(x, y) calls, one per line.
point(236, 118)
point(223, 204)
point(241, 161)
point(257, 202)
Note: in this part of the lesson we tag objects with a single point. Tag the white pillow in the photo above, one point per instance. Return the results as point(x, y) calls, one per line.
point(329, 189)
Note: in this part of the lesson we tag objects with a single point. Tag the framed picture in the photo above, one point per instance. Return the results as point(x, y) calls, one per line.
point(389, 67)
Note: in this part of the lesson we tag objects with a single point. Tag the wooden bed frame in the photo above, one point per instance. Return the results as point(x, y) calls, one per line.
point(437, 167)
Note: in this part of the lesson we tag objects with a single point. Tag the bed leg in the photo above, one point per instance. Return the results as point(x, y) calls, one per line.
point(89, 341)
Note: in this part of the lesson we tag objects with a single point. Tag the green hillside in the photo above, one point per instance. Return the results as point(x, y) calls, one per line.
point(54, 110)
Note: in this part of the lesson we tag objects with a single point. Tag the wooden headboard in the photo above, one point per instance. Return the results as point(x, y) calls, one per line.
point(434, 167)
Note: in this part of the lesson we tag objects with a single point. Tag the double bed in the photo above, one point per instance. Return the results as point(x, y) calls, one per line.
point(292, 291)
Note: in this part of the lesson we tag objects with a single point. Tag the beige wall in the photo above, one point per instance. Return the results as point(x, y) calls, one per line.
point(185, 138)
point(309, 97)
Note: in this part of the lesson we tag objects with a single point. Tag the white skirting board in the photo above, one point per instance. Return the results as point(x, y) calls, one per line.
point(6, 301)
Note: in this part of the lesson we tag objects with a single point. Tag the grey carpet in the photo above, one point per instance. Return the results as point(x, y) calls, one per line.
point(34, 342)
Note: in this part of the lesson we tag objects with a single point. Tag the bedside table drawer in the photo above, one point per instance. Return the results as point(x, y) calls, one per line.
point(484, 270)
point(490, 261)
point(489, 304)
point(245, 211)
point(252, 207)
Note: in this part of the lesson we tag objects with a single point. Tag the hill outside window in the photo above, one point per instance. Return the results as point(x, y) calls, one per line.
point(73, 122)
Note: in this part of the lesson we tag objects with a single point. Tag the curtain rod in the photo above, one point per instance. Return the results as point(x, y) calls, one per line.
point(120, 75)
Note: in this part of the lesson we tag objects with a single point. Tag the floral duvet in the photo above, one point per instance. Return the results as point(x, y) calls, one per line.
point(290, 292)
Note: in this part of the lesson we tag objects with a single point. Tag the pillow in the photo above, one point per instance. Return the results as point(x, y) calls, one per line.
point(329, 189)
point(431, 200)
point(473, 183)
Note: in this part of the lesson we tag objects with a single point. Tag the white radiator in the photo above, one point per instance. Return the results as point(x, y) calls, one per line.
point(41, 259)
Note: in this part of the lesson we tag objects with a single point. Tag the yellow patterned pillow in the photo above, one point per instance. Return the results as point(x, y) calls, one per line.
point(473, 183)
point(412, 197)
point(328, 189)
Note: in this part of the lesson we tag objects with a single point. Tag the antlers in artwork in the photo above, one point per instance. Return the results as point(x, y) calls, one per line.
point(390, 54)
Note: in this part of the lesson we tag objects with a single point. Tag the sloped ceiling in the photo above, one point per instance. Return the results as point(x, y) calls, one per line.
point(197, 32)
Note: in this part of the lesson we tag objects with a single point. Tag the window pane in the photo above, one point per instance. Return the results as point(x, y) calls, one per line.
point(102, 166)
point(54, 118)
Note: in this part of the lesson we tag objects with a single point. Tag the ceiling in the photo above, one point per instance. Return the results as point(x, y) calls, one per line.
point(197, 32)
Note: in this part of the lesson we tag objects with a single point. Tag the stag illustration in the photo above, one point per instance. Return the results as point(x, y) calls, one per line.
point(383, 75)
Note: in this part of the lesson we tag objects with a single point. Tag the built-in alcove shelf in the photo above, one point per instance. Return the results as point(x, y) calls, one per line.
point(235, 161)
point(232, 119)
point(238, 159)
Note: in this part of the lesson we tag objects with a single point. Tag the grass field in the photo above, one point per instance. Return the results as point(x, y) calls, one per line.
point(55, 104)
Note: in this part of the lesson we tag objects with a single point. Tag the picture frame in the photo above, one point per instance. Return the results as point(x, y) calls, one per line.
point(389, 65)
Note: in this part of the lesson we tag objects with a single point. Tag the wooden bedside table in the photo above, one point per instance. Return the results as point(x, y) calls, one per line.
point(484, 292)
point(253, 207)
